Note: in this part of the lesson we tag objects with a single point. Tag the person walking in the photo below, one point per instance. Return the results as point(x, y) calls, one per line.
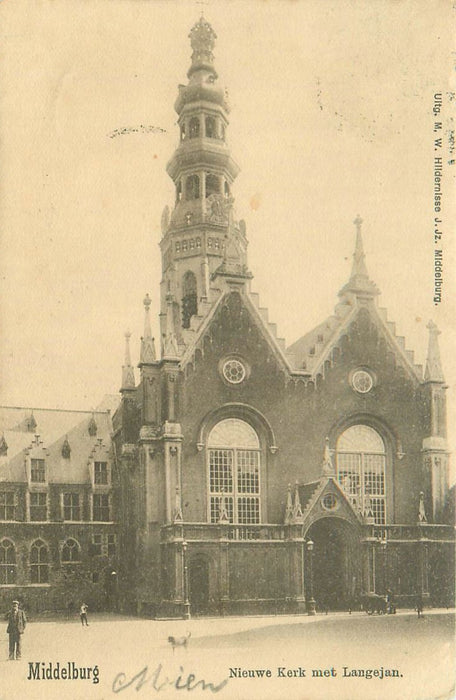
point(16, 626)
point(83, 614)
point(419, 605)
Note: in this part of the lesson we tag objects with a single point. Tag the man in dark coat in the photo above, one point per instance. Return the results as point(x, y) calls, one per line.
point(16, 626)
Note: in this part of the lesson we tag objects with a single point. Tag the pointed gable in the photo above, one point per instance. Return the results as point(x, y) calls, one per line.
point(326, 498)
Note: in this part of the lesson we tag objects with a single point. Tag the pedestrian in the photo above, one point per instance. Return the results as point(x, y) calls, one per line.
point(83, 614)
point(419, 605)
point(16, 626)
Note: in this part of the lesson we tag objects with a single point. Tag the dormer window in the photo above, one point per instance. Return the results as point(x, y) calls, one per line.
point(101, 475)
point(38, 471)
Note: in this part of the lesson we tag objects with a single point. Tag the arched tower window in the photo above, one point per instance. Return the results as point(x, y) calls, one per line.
point(233, 454)
point(178, 191)
point(211, 128)
point(361, 466)
point(189, 298)
point(39, 562)
point(222, 131)
point(71, 551)
point(212, 184)
point(192, 187)
point(7, 563)
point(226, 189)
point(194, 127)
point(182, 131)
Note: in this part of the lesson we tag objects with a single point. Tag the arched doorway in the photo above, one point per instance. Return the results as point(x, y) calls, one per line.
point(199, 585)
point(336, 563)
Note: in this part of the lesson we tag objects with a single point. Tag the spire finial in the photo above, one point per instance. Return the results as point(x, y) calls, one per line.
point(128, 373)
point(359, 282)
point(433, 371)
point(202, 39)
point(147, 342)
point(359, 265)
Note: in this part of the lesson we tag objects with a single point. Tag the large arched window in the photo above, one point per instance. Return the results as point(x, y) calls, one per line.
point(233, 452)
point(39, 562)
point(71, 551)
point(7, 563)
point(189, 298)
point(361, 463)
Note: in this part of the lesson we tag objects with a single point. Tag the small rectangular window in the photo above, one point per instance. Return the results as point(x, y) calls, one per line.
point(38, 506)
point(101, 472)
point(101, 507)
point(96, 545)
point(111, 545)
point(71, 507)
point(38, 470)
point(7, 505)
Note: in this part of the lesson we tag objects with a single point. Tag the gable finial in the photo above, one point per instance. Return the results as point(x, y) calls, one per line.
point(177, 515)
point(170, 347)
point(421, 511)
point(433, 371)
point(128, 373)
point(297, 510)
point(327, 466)
point(147, 342)
point(289, 507)
point(224, 518)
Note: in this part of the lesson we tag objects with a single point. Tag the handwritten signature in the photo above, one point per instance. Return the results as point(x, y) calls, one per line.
point(141, 129)
point(160, 681)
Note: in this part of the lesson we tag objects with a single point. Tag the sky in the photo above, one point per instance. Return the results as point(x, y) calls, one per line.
point(331, 117)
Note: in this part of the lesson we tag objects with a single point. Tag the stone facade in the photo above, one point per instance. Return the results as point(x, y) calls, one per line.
point(257, 477)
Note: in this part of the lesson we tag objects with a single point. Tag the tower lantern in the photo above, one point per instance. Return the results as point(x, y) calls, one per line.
point(200, 235)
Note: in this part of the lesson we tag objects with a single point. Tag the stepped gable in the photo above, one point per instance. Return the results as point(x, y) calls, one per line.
point(313, 349)
point(259, 316)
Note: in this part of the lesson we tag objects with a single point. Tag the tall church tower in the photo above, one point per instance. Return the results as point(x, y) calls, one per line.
point(200, 239)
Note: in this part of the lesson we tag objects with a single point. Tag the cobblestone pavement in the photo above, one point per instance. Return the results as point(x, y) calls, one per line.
point(293, 657)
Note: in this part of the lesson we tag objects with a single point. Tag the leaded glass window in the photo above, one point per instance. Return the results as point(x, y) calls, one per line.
point(361, 465)
point(234, 472)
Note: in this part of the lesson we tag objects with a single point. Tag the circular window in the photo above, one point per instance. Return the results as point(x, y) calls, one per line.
point(329, 502)
point(234, 371)
point(362, 381)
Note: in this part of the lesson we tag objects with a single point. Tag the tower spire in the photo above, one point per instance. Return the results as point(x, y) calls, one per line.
point(147, 342)
point(433, 371)
point(128, 373)
point(359, 283)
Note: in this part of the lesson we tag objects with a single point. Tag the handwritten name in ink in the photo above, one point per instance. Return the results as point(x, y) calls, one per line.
point(141, 129)
point(158, 680)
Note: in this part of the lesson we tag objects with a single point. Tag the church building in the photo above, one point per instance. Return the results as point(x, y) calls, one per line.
point(238, 475)
point(257, 477)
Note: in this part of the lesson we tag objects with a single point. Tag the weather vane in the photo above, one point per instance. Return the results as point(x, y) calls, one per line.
point(202, 3)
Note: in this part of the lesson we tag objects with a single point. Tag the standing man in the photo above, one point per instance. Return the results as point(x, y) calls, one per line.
point(16, 626)
point(83, 614)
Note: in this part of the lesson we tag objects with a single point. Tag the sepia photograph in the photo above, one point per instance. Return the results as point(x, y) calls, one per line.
point(227, 374)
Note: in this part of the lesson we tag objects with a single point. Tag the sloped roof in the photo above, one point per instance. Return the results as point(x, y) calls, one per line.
point(53, 427)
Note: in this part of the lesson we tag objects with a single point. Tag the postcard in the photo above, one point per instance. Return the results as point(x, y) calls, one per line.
point(227, 399)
